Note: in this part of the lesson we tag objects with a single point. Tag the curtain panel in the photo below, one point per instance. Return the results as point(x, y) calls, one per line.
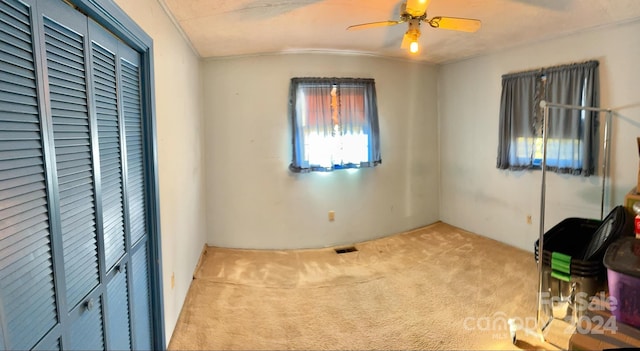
point(573, 135)
point(334, 124)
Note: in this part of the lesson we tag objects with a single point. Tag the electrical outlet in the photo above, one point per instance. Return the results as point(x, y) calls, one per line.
point(528, 219)
point(332, 216)
point(173, 280)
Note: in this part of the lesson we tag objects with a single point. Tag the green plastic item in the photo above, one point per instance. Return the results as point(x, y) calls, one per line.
point(561, 276)
point(561, 266)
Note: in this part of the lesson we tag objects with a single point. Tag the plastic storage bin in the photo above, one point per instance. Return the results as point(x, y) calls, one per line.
point(572, 267)
point(564, 275)
point(570, 238)
point(622, 260)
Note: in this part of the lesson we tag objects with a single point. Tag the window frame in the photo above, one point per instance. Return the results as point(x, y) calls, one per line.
point(573, 135)
point(331, 117)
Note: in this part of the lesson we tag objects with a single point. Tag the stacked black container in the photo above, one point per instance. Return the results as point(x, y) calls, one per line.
point(572, 267)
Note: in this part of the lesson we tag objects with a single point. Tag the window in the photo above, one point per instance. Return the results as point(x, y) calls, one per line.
point(335, 124)
point(572, 141)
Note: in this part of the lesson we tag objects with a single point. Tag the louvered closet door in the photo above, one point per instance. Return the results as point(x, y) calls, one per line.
point(27, 295)
point(104, 49)
point(136, 196)
point(117, 93)
point(74, 237)
point(65, 41)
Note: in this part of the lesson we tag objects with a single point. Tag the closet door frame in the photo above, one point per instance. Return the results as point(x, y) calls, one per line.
point(110, 16)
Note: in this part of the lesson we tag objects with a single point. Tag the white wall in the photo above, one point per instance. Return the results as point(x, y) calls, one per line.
point(478, 197)
point(253, 201)
point(178, 93)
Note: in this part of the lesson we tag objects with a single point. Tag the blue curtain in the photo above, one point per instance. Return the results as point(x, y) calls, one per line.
point(335, 124)
point(518, 120)
point(573, 139)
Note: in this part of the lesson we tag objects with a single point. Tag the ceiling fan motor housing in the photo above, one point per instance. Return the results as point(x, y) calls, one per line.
point(414, 28)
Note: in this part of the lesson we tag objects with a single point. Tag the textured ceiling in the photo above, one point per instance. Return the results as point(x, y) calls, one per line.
point(218, 28)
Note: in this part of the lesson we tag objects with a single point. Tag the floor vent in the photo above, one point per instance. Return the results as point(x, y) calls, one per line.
point(343, 250)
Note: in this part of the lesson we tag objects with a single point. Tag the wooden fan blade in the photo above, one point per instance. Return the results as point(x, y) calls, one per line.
point(453, 23)
point(417, 8)
point(373, 25)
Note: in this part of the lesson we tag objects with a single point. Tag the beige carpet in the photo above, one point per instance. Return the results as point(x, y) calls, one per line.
point(436, 287)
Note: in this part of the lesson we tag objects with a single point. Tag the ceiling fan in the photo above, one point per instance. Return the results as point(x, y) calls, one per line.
point(414, 12)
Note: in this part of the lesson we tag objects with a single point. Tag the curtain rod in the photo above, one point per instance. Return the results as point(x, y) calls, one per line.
point(543, 70)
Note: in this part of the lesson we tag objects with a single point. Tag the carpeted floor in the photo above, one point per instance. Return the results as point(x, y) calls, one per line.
point(436, 287)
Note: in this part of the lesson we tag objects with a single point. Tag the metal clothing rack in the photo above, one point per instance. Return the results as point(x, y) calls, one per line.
point(541, 324)
point(605, 169)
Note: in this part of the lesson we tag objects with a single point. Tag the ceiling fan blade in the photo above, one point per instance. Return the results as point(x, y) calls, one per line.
point(373, 25)
point(417, 8)
point(453, 23)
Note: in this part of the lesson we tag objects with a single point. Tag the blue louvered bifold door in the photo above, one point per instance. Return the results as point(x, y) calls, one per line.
point(28, 308)
point(65, 42)
point(104, 50)
point(136, 196)
point(74, 194)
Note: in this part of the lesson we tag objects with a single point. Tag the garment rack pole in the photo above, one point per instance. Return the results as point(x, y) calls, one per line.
point(605, 169)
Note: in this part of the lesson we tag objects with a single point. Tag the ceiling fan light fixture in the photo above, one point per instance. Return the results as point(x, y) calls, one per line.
point(412, 35)
point(414, 12)
point(414, 47)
